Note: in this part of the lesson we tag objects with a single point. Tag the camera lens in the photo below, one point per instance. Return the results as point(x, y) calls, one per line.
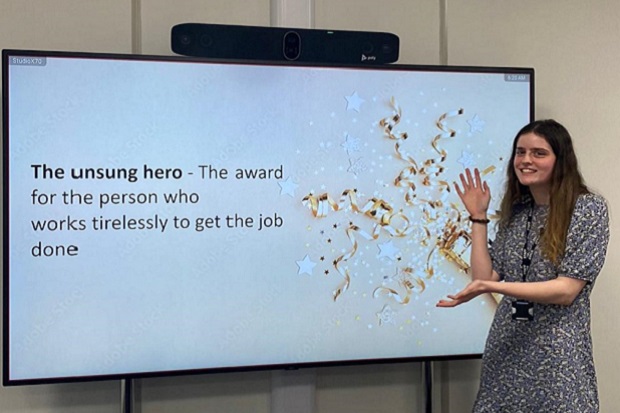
point(368, 47)
point(292, 45)
point(185, 39)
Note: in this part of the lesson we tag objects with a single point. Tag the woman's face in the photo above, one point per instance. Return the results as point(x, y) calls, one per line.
point(534, 161)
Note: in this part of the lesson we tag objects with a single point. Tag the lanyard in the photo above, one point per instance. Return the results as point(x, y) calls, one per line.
point(528, 252)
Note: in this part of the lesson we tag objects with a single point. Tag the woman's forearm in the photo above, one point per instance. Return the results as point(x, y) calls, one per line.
point(480, 260)
point(560, 291)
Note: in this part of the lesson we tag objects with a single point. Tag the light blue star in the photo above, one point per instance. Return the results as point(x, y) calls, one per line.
point(467, 159)
point(387, 249)
point(354, 102)
point(476, 124)
point(351, 144)
point(305, 266)
point(288, 187)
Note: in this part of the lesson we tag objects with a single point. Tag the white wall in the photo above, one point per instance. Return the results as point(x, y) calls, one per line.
point(573, 47)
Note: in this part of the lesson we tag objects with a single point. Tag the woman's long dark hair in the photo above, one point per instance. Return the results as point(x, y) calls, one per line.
point(566, 185)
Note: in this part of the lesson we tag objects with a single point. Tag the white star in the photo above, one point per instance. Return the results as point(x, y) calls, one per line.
point(357, 166)
point(476, 124)
point(354, 102)
point(305, 266)
point(387, 249)
point(467, 159)
point(288, 187)
point(351, 144)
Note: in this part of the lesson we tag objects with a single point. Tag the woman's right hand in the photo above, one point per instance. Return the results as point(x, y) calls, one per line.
point(475, 193)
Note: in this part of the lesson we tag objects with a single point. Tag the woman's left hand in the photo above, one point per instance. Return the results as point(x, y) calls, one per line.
point(471, 291)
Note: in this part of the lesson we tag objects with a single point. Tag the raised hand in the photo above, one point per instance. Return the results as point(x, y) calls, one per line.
point(474, 193)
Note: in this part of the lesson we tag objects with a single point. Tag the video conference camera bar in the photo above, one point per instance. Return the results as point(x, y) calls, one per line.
point(219, 41)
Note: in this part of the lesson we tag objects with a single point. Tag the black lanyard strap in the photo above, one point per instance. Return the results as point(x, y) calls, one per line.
point(528, 252)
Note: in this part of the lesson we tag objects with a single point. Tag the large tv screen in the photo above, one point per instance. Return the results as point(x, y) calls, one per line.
point(166, 215)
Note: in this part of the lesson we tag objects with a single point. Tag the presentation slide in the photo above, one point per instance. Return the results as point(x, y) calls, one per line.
point(168, 215)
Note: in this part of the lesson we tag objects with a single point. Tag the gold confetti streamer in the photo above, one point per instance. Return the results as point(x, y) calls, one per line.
point(488, 170)
point(344, 286)
point(405, 178)
point(430, 166)
point(319, 205)
point(454, 230)
point(442, 228)
point(382, 213)
point(407, 282)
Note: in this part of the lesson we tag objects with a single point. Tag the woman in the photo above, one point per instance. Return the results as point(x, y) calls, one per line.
point(550, 246)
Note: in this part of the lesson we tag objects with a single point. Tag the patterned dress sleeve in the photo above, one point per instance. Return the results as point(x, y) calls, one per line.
point(587, 239)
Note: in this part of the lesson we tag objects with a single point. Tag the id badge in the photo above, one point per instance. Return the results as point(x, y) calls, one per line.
point(522, 310)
